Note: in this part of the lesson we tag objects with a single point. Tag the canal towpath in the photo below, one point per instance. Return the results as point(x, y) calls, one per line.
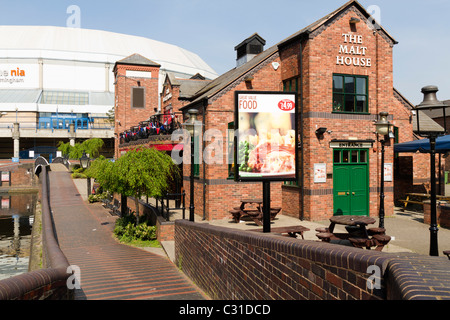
point(109, 269)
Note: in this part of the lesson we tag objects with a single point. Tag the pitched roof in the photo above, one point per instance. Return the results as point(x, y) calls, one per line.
point(234, 74)
point(253, 37)
point(321, 22)
point(188, 87)
point(137, 59)
point(426, 122)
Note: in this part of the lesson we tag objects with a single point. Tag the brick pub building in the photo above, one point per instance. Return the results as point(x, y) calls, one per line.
point(341, 66)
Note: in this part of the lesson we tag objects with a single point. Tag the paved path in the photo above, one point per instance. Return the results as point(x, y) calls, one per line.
point(108, 269)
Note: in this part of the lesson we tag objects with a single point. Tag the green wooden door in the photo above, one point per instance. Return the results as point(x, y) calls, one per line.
point(359, 190)
point(351, 182)
point(341, 190)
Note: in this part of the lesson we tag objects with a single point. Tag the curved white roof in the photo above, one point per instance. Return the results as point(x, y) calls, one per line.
point(78, 44)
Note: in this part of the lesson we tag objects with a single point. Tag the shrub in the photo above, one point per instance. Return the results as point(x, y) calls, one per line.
point(96, 197)
point(78, 170)
point(78, 175)
point(127, 231)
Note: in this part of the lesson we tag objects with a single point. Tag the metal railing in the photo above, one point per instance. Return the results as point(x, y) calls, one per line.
point(48, 283)
point(40, 126)
point(163, 204)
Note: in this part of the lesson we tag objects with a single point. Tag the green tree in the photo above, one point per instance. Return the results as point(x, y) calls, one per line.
point(140, 172)
point(90, 146)
point(103, 171)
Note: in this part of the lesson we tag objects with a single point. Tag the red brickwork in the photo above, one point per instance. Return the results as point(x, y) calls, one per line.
point(125, 115)
point(320, 61)
point(230, 264)
point(170, 97)
point(336, 47)
point(222, 193)
point(20, 175)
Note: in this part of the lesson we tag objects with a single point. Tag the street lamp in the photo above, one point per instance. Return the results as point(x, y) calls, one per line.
point(383, 127)
point(84, 162)
point(189, 125)
point(431, 131)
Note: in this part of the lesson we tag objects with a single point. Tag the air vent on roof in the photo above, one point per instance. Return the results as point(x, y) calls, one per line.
point(249, 48)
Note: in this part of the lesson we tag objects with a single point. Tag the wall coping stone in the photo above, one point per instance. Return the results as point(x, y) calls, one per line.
point(407, 276)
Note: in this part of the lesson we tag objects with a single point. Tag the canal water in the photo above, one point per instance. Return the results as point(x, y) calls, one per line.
point(16, 222)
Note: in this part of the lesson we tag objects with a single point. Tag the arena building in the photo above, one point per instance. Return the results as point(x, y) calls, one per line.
point(57, 84)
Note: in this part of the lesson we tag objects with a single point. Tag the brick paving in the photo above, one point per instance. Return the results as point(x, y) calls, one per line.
point(108, 269)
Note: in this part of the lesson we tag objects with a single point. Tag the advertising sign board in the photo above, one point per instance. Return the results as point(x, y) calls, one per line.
point(266, 136)
point(13, 76)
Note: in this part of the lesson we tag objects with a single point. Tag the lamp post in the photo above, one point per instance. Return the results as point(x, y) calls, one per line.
point(431, 131)
point(84, 162)
point(189, 125)
point(383, 127)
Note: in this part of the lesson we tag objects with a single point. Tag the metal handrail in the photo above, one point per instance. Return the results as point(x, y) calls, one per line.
point(44, 283)
point(165, 208)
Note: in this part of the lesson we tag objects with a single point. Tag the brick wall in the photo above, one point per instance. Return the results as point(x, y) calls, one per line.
point(231, 264)
point(241, 265)
point(444, 218)
point(418, 277)
point(170, 98)
point(125, 115)
point(291, 201)
point(165, 230)
point(222, 193)
point(21, 175)
point(316, 60)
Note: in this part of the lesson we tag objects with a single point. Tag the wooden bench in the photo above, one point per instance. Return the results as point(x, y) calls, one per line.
point(291, 231)
point(374, 231)
point(106, 203)
point(447, 253)
point(325, 236)
point(411, 201)
point(116, 207)
point(273, 212)
point(378, 241)
point(381, 240)
point(236, 215)
point(361, 242)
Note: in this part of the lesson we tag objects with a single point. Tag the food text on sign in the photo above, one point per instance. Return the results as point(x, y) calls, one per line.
point(248, 104)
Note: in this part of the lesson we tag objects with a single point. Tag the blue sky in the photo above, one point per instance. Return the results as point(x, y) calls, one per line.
point(212, 28)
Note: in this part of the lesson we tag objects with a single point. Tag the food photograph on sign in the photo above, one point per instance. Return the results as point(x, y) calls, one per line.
point(266, 136)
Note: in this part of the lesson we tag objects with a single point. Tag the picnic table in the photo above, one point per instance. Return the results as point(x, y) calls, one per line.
point(255, 214)
point(291, 231)
point(447, 253)
point(418, 198)
point(357, 232)
point(245, 202)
